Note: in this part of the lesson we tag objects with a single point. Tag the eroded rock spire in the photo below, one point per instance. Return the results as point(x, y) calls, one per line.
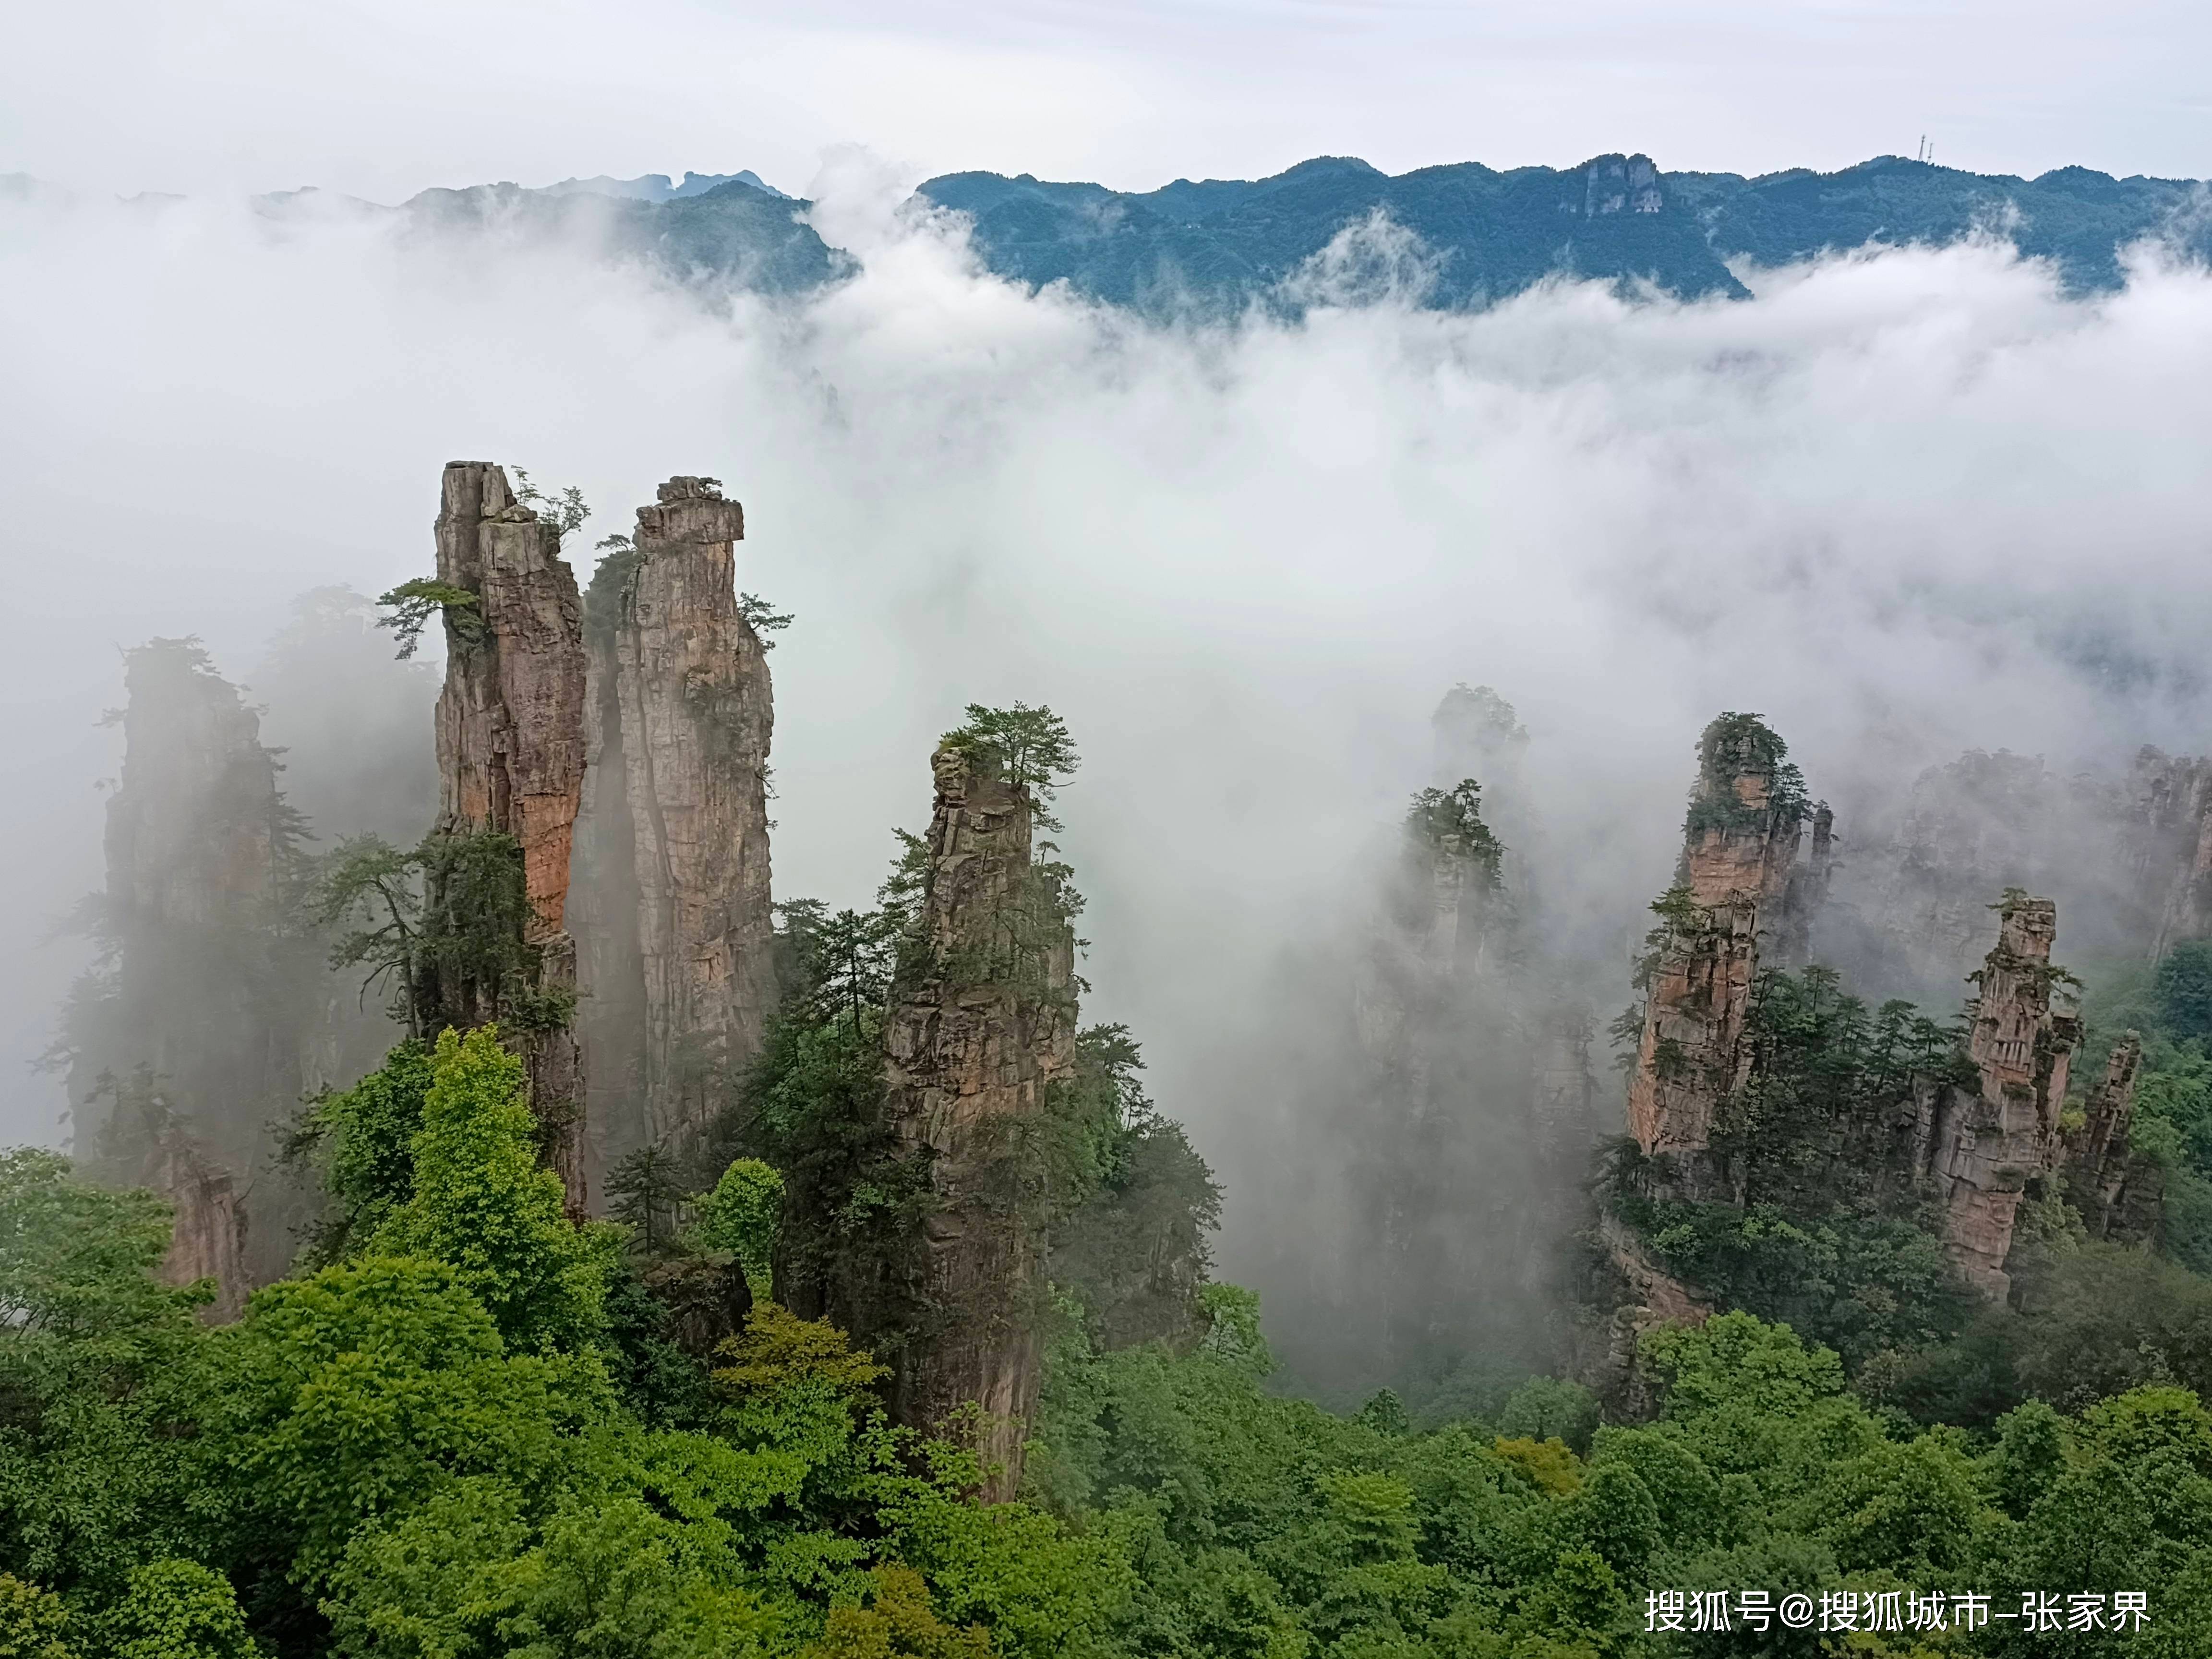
point(681, 713)
point(982, 1022)
point(510, 724)
point(2021, 1041)
point(1739, 879)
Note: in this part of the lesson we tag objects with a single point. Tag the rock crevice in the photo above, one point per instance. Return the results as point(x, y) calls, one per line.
point(681, 714)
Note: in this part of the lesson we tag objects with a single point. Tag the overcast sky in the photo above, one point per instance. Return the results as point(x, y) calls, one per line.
point(381, 100)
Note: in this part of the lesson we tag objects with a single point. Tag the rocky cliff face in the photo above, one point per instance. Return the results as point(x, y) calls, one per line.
point(1989, 1145)
point(2117, 1193)
point(1739, 878)
point(510, 724)
point(2126, 855)
point(983, 1021)
point(680, 715)
point(144, 1143)
point(1742, 892)
point(191, 1040)
point(2172, 802)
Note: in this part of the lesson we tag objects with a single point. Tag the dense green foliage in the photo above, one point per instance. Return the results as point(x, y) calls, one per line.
point(434, 1445)
point(1437, 815)
point(442, 927)
point(1216, 246)
point(1743, 746)
point(410, 605)
point(369, 1464)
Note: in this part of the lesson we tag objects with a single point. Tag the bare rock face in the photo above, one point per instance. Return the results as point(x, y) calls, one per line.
point(148, 1147)
point(1739, 877)
point(681, 713)
point(2173, 802)
point(2117, 1194)
point(982, 1023)
point(1990, 1144)
point(510, 725)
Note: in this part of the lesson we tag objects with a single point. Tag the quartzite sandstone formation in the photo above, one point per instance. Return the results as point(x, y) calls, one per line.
point(1740, 877)
point(983, 1021)
point(2172, 818)
point(2118, 1194)
point(679, 961)
point(150, 1147)
point(511, 760)
point(1742, 891)
point(1989, 1146)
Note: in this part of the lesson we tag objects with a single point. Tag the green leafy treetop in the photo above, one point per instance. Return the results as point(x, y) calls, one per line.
point(34, 1622)
point(1029, 748)
point(564, 510)
point(1437, 815)
point(76, 1261)
point(482, 1202)
point(412, 604)
point(177, 1610)
point(742, 1216)
point(1737, 745)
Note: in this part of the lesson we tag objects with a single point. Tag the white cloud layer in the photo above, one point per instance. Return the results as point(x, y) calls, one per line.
point(1901, 504)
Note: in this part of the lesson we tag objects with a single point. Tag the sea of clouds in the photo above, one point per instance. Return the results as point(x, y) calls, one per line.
point(1901, 502)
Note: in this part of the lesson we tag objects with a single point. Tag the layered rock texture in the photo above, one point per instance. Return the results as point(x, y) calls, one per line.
point(2173, 802)
point(1740, 877)
point(2117, 1191)
point(510, 725)
point(1987, 1146)
point(680, 937)
point(190, 1039)
point(1960, 1136)
point(982, 1023)
point(2125, 853)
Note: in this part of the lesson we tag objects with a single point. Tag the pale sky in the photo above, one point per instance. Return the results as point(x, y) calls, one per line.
point(380, 99)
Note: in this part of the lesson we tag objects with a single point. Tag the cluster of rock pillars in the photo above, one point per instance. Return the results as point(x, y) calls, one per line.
point(624, 745)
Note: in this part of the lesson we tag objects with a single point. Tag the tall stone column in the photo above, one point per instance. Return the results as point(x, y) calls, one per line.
point(1739, 852)
point(1990, 1143)
point(510, 725)
point(682, 711)
point(982, 1022)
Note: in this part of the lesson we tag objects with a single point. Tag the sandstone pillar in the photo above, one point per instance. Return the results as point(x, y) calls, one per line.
point(1991, 1143)
point(983, 1021)
point(510, 724)
point(1745, 822)
point(681, 712)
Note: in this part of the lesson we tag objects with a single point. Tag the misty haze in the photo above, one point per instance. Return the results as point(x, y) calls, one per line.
point(858, 906)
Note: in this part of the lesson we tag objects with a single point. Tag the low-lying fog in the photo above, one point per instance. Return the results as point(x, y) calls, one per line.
point(1901, 504)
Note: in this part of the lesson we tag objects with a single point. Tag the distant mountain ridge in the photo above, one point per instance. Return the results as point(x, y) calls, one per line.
point(1490, 234)
point(1458, 236)
point(658, 187)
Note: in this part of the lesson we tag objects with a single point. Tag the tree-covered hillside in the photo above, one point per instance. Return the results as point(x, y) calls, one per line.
point(1484, 235)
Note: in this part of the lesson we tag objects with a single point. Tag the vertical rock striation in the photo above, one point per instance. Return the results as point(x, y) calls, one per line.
point(2172, 822)
point(510, 724)
point(2118, 1194)
point(1991, 1144)
point(681, 713)
point(982, 1022)
point(1739, 875)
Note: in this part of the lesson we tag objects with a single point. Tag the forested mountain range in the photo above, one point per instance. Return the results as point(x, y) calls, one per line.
point(1478, 234)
